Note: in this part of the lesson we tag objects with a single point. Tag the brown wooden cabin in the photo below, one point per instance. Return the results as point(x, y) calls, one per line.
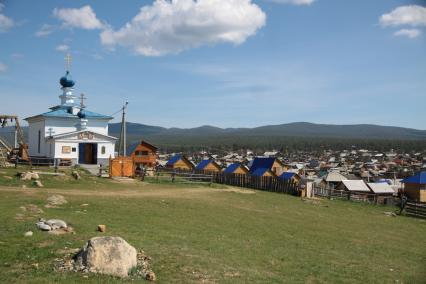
point(291, 176)
point(415, 187)
point(180, 162)
point(415, 192)
point(145, 155)
point(236, 169)
point(272, 164)
point(208, 166)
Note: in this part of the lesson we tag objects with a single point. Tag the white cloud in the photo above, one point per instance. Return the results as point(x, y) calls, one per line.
point(83, 18)
point(17, 55)
point(45, 30)
point(3, 67)
point(62, 47)
point(294, 2)
point(410, 33)
point(169, 27)
point(412, 15)
point(5, 22)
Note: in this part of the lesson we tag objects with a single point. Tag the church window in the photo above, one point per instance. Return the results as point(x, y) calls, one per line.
point(39, 141)
point(103, 150)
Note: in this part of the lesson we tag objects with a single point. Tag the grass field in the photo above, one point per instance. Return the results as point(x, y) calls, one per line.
point(203, 234)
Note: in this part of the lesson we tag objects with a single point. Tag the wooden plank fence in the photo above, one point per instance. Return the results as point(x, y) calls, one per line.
point(271, 184)
point(415, 209)
point(354, 196)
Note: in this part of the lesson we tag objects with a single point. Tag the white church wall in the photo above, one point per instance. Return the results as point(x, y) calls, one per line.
point(64, 150)
point(98, 125)
point(34, 139)
point(67, 125)
point(109, 150)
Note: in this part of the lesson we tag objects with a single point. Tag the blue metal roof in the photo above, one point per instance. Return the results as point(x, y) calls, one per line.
point(420, 178)
point(66, 112)
point(287, 175)
point(261, 163)
point(231, 168)
point(259, 172)
point(173, 160)
point(203, 164)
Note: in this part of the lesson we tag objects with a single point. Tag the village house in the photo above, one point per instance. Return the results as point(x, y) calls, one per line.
point(272, 164)
point(291, 176)
point(236, 169)
point(356, 186)
point(263, 172)
point(382, 190)
point(208, 166)
point(415, 187)
point(145, 155)
point(332, 179)
point(180, 162)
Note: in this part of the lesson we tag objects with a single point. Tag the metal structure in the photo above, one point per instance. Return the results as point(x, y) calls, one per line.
point(20, 148)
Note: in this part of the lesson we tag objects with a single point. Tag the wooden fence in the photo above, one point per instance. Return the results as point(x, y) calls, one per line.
point(271, 184)
point(415, 209)
point(121, 167)
point(355, 196)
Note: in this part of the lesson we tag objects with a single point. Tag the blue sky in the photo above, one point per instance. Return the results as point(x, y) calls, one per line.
point(236, 63)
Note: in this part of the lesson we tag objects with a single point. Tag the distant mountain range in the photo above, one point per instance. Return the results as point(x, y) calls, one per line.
point(296, 129)
point(292, 136)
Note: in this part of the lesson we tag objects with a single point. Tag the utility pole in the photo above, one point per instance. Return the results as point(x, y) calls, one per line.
point(123, 131)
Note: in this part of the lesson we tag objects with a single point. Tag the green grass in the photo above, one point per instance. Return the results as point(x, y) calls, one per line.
point(222, 235)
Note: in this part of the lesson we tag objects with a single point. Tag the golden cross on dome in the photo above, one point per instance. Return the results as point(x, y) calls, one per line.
point(68, 60)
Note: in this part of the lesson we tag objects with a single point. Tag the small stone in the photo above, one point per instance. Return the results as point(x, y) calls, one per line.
point(35, 176)
point(150, 276)
point(56, 223)
point(44, 227)
point(55, 200)
point(102, 228)
point(35, 265)
point(76, 175)
point(28, 234)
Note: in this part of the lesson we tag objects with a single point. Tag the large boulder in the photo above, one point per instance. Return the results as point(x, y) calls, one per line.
point(107, 255)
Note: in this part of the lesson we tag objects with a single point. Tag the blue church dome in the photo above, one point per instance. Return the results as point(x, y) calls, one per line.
point(66, 81)
point(81, 114)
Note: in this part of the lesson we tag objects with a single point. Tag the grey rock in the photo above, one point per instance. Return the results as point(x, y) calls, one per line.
point(44, 227)
point(107, 255)
point(56, 224)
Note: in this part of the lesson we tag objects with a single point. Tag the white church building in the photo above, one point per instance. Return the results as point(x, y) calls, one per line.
point(69, 132)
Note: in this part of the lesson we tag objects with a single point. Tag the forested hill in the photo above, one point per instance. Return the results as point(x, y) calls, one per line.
point(297, 129)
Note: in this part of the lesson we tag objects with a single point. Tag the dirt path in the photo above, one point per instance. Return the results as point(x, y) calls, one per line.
point(146, 191)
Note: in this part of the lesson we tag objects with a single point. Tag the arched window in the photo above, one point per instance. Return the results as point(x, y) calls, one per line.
point(103, 150)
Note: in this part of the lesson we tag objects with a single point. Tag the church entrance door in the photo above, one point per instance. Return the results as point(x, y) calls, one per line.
point(87, 153)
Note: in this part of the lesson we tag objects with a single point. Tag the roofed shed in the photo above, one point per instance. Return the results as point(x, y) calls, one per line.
point(415, 187)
